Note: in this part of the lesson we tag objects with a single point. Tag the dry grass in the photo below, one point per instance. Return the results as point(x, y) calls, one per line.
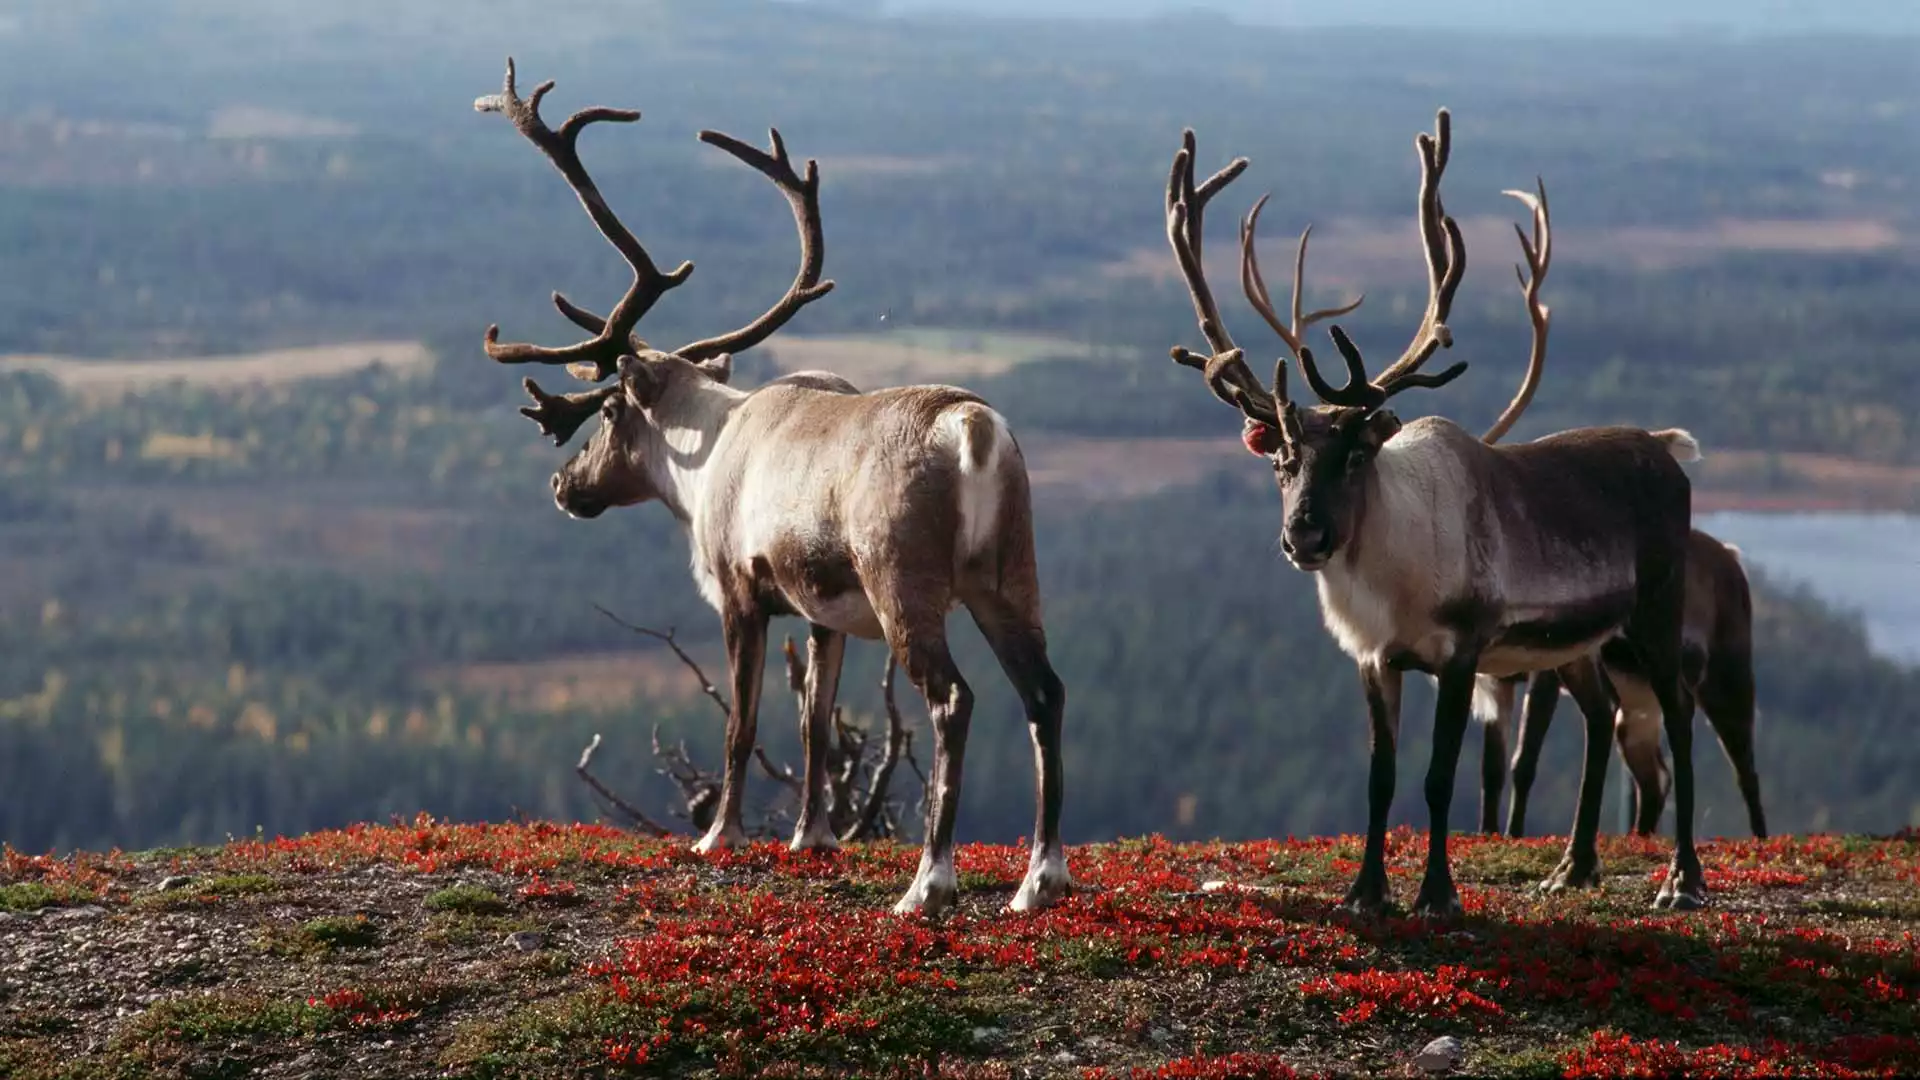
point(113, 378)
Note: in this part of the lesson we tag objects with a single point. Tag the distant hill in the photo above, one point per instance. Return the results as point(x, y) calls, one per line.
point(1626, 17)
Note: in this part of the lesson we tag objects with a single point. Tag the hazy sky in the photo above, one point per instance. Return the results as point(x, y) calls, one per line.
point(1617, 16)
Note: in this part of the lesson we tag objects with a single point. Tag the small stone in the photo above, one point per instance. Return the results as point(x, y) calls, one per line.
point(1066, 1057)
point(524, 941)
point(985, 1034)
point(173, 881)
point(1439, 1056)
point(1159, 1036)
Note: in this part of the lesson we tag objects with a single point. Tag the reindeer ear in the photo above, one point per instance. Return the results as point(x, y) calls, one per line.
point(1381, 426)
point(1260, 439)
point(718, 368)
point(642, 382)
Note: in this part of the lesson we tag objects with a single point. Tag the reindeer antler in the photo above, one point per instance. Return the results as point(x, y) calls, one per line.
point(1225, 370)
point(597, 357)
point(803, 195)
point(1538, 253)
point(1446, 264)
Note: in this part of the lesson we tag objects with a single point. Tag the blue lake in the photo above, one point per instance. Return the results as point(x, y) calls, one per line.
point(1868, 564)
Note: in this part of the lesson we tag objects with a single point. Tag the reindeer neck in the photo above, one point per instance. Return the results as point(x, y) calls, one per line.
point(687, 424)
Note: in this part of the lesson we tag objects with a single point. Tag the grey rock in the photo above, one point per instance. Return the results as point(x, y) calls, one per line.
point(174, 881)
point(524, 941)
point(1442, 1055)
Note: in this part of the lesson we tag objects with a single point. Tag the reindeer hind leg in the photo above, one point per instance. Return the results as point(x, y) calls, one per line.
point(1020, 645)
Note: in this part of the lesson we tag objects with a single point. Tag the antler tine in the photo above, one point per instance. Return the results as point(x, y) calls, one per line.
point(1254, 283)
point(1445, 250)
point(1538, 252)
point(1225, 371)
point(803, 194)
point(597, 357)
point(560, 415)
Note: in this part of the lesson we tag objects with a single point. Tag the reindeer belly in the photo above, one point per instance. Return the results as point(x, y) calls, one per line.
point(848, 612)
point(1548, 635)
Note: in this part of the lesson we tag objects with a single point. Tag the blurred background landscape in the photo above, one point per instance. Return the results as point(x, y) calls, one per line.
point(277, 552)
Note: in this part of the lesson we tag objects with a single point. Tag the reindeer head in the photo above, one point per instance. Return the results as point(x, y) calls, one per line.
point(612, 469)
point(1323, 454)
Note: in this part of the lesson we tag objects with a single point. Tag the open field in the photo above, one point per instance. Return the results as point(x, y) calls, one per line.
point(429, 949)
point(1349, 255)
point(908, 355)
point(111, 378)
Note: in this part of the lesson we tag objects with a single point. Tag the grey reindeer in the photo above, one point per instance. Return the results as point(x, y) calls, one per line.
point(1435, 552)
point(870, 514)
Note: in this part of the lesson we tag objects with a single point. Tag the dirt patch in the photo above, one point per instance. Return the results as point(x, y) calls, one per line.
point(112, 378)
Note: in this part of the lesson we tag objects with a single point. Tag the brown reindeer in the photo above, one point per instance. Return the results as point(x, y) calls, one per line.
point(1435, 552)
point(1717, 665)
point(1716, 645)
point(868, 514)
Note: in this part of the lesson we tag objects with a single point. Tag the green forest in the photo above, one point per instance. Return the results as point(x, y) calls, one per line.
point(322, 600)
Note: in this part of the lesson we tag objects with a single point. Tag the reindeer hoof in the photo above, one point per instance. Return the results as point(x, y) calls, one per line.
point(1572, 873)
point(718, 837)
point(1438, 901)
point(1047, 883)
point(1681, 892)
point(1368, 898)
point(808, 838)
point(932, 892)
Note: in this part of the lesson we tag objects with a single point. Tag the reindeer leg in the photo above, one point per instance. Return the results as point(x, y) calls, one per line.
point(1382, 687)
point(826, 649)
point(1438, 897)
point(1637, 731)
point(746, 637)
point(1543, 696)
point(950, 706)
point(1726, 696)
point(1656, 640)
point(1493, 757)
point(1021, 647)
point(1580, 867)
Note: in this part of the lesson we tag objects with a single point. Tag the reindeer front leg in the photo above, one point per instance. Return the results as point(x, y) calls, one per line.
point(746, 637)
point(1382, 687)
point(825, 651)
point(1438, 897)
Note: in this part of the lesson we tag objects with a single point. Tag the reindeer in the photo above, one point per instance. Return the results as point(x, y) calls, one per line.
point(870, 514)
point(1435, 552)
point(1717, 667)
point(1716, 648)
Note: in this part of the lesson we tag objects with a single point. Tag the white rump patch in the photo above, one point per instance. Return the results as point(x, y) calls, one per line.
point(1491, 702)
point(978, 437)
point(1682, 445)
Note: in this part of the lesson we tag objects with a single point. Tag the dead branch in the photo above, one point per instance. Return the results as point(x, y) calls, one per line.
point(632, 814)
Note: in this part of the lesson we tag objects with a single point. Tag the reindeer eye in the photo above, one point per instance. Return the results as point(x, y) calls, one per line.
point(1288, 464)
point(1357, 458)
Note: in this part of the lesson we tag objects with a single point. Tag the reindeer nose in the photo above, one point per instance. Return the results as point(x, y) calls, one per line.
point(1304, 539)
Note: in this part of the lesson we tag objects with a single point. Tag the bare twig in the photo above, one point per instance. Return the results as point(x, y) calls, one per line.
point(638, 819)
point(897, 746)
point(706, 684)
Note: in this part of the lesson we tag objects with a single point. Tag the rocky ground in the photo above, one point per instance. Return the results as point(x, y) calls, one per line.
point(428, 949)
